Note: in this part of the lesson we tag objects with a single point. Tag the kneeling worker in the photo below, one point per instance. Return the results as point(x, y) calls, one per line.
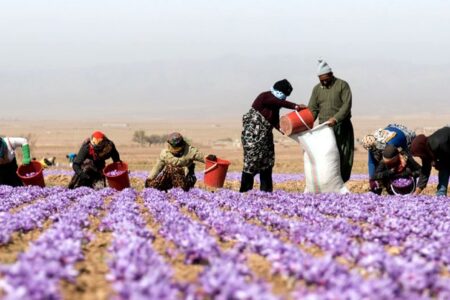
point(395, 164)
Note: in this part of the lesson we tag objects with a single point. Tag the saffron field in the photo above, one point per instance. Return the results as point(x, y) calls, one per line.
point(139, 243)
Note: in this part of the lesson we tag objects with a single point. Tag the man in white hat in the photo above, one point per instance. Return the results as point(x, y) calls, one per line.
point(331, 101)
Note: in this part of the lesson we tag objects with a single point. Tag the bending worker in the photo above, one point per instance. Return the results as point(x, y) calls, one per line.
point(434, 151)
point(8, 162)
point(396, 135)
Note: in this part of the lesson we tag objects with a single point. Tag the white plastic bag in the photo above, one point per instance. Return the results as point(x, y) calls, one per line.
point(321, 160)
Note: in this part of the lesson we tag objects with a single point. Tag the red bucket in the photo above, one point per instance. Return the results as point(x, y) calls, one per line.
point(297, 121)
point(116, 174)
point(215, 172)
point(31, 174)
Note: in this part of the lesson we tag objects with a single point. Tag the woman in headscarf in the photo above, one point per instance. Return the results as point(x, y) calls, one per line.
point(394, 134)
point(8, 162)
point(395, 164)
point(90, 161)
point(175, 166)
point(257, 136)
point(434, 151)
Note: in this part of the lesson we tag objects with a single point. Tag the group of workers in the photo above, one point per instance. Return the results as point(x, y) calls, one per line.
point(390, 149)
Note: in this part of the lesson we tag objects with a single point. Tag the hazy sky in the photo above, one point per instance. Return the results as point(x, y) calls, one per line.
point(149, 59)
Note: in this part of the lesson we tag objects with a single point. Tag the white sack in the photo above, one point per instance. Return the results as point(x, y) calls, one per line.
point(321, 160)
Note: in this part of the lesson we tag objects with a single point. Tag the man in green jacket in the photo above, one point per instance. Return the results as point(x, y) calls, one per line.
point(331, 101)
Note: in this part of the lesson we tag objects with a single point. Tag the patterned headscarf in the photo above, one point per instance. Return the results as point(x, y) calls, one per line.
point(368, 142)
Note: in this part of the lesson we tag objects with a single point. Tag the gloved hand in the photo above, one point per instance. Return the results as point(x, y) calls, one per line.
point(26, 154)
point(211, 157)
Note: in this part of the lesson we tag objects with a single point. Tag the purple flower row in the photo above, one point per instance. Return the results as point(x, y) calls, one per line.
point(52, 257)
point(11, 197)
point(226, 275)
point(398, 280)
point(338, 237)
point(34, 215)
point(136, 270)
point(231, 176)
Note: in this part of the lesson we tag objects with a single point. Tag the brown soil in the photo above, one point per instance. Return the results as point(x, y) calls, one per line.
point(91, 282)
point(19, 243)
point(182, 272)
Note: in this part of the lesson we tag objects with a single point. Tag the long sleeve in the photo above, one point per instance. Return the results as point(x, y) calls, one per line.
point(372, 164)
point(425, 172)
point(198, 156)
point(115, 156)
point(157, 168)
point(273, 102)
point(382, 172)
point(79, 159)
point(346, 96)
point(313, 104)
point(17, 142)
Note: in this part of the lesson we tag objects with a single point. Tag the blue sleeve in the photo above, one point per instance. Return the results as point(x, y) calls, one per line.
point(372, 164)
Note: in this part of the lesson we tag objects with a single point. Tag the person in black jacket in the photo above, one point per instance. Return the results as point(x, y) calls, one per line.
point(395, 164)
point(434, 151)
point(90, 161)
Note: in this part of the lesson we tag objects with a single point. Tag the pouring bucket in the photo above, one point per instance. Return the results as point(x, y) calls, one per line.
point(116, 175)
point(31, 174)
point(297, 121)
point(215, 172)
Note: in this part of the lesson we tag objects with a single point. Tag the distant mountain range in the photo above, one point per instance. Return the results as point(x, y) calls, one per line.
point(218, 88)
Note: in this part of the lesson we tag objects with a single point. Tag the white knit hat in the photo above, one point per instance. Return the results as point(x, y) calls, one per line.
point(323, 68)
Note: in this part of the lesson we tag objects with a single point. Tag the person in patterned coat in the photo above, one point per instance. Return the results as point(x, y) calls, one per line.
point(257, 136)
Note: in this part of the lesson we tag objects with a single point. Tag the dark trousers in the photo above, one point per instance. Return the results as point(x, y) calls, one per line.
point(345, 141)
point(265, 177)
point(8, 174)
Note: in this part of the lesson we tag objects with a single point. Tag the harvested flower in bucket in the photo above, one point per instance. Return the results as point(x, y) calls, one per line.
point(31, 174)
point(402, 182)
point(115, 173)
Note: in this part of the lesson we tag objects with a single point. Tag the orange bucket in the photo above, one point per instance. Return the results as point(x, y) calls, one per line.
point(116, 174)
point(215, 172)
point(297, 121)
point(31, 174)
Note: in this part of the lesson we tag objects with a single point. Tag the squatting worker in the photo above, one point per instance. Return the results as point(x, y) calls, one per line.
point(331, 101)
point(434, 151)
point(396, 163)
point(257, 136)
point(8, 162)
point(175, 166)
point(90, 161)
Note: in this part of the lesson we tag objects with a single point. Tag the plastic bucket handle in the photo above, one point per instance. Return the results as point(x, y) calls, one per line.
point(412, 190)
point(210, 168)
point(301, 119)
